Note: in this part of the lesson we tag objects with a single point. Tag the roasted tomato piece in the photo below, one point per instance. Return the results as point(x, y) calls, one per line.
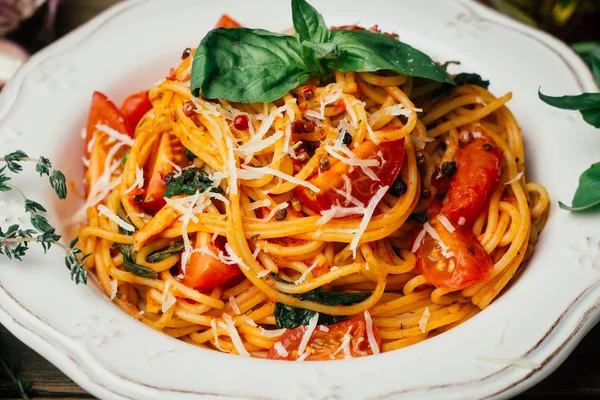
point(159, 166)
point(453, 261)
point(343, 340)
point(205, 271)
point(134, 108)
point(103, 112)
point(478, 169)
point(332, 183)
point(227, 22)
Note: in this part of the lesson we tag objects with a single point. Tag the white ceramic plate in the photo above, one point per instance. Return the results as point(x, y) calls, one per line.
point(543, 315)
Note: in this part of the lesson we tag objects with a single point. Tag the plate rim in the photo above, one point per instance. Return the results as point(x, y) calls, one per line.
point(13, 312)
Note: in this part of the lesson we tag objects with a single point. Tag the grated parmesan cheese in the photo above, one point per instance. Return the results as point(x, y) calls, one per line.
point(234, 305)
point(308, 331)
point(249, 173)
point(274, 211)
point(213, 326)
point(235, 336)
point(432, 232)
point(515, 179)
point(263, 273)
point(139, 180)
point(231, 164)
point(259, 204)
point(353, 160)
point(314, 114)
point(339, 212)
point(519, 362)
point(418, 240)
point(446, 223)
point(344, 346)
point(187, 215)
point(306, 272)
point(272, 333)
point(423, 320)
point(370, 333)
point(115, 135)
point(304, 356)
point(281, 351)
point(323, 328)
point(114, 286)
point(362, 227)
point(103, 210)
point(167, 299)
point(177, 168)
point(462, 220)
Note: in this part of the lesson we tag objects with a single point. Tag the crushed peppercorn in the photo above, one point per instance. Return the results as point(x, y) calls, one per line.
point(280, 215)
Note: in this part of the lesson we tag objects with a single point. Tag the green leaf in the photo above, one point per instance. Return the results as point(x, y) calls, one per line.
point(58, 183)
point(43, 166)
point(247, 65)
point(309, 25)
point(365, 51)
point(12, 160)
point(40, 223)
point(33, 207)
point(322, 51)
point(583, 101)
point(130, 264)
point(587, 103)
point(464, 78)
point(3, 179)
point(159, 255)
point(190, 181)
point(189, 155)
point(292, 317)
point(587, 194)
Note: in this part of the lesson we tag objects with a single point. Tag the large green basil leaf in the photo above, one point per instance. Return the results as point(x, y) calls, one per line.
point(308, 23)
point(587, 194)
point(587, 103)
point(247, 65)
point(365, 51)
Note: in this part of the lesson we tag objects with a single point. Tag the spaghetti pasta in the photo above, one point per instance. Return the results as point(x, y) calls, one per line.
point(213, 263)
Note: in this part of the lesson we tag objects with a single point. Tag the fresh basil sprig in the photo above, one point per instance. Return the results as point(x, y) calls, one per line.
point(587, 103)
point(254, 65)
point(587, 194)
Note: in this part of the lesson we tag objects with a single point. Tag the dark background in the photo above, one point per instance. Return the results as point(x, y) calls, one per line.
point(570, 20)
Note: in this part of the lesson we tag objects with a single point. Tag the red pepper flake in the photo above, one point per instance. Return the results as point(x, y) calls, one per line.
point(186, 53)
point(241, 122)
point(439, 180)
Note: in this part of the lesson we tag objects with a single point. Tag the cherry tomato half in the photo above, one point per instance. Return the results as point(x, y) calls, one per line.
point(391, 157)
point(326, 341)
point(478, 169)
point(227, 22)
point(205, 271)
point(102, 111)
point(134, 108)
point(465, 262)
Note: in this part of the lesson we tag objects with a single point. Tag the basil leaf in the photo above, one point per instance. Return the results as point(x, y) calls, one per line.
point(130, 264)
point(464, 78)
point(292, 317)
point(247, 65)
point(590, 52)
point(190, 181)
point(587, 103)
point(159, 255)
point(587, 194)
point(322, 50)
point(365, 51)
point(309, 25)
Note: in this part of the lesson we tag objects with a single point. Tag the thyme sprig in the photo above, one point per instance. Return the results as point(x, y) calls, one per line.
point(14, 243)
point(7, 368)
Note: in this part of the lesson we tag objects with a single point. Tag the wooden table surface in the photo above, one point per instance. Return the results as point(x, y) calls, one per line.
point(578, 377)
